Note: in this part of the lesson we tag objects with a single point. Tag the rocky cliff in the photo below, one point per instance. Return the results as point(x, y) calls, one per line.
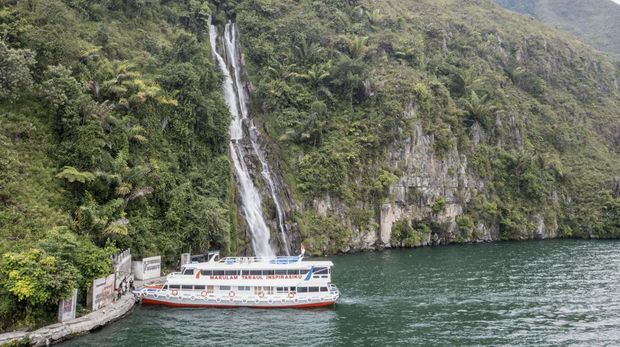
point(402, 124)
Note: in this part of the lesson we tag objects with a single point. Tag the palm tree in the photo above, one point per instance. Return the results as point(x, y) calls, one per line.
point(357, 47)
point(469, 80)
point(374, 17)
point(478, 109)
point(318, 76)
point(307, 52)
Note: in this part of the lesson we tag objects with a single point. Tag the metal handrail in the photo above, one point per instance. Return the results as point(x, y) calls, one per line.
point(276, 260)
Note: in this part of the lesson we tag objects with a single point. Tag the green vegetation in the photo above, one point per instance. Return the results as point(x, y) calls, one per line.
point(596, 22)
point(113, 134)
point(405, 235)
point(360, 76)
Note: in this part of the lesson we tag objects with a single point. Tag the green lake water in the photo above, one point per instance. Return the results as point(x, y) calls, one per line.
point(553, 293)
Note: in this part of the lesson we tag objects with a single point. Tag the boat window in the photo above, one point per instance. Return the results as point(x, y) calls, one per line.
point(323, 289)
point(313, 289)
point(255, 272)
point(268, 272)
point(320, 270)
point(243, 288)
point(188, 272)
point(209, 289)
point(231, 273)
point(224, 287)
point(293, 289)
point(206, 272)
point(164, 287)
point(199, 287)
point(302, 289)
point(281, 290)
point(303, 271)
point(218, 272)
point(293, 272)
point(280, 272)
point(185, 287)
point(175, 286)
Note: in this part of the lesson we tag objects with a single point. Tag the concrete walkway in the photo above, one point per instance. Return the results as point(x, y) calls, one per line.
point(63, 331)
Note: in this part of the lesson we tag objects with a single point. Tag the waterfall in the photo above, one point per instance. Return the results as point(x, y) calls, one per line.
point(237, 99)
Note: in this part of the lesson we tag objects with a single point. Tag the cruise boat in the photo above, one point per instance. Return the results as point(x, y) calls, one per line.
point(280, 282)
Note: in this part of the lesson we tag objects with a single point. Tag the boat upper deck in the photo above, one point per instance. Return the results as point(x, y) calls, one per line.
point(232, 263)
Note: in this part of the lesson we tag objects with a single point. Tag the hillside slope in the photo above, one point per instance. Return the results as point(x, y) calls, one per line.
point(113, 134)
point(429, 122)
point(596, 22)
point(390, 123)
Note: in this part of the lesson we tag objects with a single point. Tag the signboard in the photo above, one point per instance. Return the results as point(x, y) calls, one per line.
point(147, 268)
point(103, 292)
point(66, 308)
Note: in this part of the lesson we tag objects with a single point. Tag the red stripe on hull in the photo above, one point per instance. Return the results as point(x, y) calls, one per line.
point(171, 304)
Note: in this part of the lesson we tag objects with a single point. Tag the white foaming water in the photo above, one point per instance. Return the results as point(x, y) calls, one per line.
point(237, 98)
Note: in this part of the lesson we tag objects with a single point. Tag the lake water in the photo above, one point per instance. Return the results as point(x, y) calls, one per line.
point(527, 293)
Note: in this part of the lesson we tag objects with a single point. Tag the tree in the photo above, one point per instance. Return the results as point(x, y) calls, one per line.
point(91, 261)
point(318, 76)
point(36, 277)
point(15, 74)
point(357, 47)
point(307, 52)
point(478, 110)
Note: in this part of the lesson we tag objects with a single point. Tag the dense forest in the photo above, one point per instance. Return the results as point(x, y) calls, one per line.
point(114, 134)
point(114, 131)
point(521, 122)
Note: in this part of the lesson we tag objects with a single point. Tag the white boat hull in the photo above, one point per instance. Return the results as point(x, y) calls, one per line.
point(188, 300)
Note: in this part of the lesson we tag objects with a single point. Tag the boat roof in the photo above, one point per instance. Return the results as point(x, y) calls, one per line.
point(259, 263)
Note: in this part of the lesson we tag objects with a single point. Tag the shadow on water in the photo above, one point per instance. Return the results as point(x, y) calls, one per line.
point(526, 293)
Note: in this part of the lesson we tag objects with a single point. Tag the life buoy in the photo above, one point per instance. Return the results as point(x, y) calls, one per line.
point(245, 301)
point(261, 294)
point(231, 294)
point(204, 293)
point(291, 295)
point(175, 292)
point(218, 299)
point(271, 301)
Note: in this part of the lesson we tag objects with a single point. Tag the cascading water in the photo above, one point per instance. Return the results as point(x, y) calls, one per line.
point(236, 97)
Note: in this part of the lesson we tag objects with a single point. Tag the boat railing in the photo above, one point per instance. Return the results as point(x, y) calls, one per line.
point(247, 260)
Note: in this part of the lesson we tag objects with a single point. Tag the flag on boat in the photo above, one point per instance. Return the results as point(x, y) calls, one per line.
point(309, 274)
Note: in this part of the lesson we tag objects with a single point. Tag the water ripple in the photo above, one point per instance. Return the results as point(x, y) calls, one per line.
point(530, 294)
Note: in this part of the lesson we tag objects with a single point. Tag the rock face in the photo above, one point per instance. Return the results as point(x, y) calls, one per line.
point(415, 123)
point(426, 179)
